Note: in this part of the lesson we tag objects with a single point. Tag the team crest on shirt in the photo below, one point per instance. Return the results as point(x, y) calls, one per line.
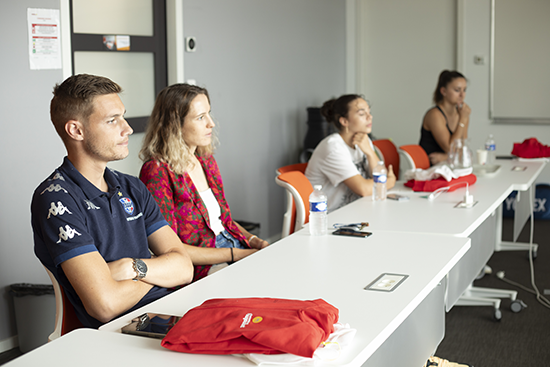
point(127, 204)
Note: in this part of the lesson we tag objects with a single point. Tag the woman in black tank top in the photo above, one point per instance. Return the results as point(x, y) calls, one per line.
point(448, 120)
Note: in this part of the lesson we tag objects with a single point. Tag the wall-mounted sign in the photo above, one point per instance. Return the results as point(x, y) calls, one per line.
point(44, 42)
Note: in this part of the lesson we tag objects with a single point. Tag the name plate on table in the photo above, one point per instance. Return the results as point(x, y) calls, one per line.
point(386, 282)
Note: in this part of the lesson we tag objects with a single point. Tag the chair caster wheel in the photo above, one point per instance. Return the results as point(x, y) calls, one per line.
point(533, 255)
point(497, 315)
point(517, 305)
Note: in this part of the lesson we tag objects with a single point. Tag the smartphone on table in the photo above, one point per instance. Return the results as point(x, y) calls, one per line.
point(397, 197)
point(351, 232)
point(151, 325)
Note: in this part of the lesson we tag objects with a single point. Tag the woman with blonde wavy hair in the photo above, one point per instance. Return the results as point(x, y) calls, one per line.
point(183, 177)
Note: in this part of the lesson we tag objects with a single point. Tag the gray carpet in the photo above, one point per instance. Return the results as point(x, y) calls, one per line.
point(519, 339)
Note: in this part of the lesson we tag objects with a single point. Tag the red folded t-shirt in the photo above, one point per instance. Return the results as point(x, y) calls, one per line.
point(253, 325)
point(531, 148)
point(432, 185)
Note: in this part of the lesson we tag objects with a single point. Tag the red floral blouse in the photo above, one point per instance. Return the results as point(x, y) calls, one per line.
point(183, 208)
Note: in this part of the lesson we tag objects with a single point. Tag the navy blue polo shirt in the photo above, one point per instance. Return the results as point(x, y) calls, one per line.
point(71, 217)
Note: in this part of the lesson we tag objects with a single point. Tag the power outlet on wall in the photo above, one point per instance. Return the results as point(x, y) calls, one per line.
point(479, 60)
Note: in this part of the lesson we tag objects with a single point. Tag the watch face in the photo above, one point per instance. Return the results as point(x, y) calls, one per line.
point(140, 267)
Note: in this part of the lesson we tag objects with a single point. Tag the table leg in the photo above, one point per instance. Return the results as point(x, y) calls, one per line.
point(523, 211)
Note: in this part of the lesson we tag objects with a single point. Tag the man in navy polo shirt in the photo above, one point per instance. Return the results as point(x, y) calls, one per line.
point(95, 228)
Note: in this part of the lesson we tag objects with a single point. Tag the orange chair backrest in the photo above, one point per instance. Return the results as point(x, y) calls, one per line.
point(293, 167)
point(301, 167)
point(300, 182)
point(390, 153)
point(418, 155)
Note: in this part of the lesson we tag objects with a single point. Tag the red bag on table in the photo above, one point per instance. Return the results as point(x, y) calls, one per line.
point(253, 325)
point(432, 185)
point(531, 148)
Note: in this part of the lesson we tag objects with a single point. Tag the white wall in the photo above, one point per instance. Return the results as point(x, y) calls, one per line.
point(477, 43)
point(403, 45)
point(30, 150)
point(264, 62)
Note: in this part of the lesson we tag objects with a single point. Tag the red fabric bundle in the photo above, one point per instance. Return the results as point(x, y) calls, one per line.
point(432, 185)
point(253, 325)
point(531, 148)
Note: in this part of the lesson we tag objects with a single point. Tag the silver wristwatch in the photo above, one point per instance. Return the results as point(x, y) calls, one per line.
point(140, 268)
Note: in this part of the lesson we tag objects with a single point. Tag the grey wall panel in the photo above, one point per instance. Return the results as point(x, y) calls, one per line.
point(264, 62)
point(30, 150)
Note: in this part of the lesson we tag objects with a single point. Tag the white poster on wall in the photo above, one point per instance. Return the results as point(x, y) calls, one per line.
point(44, 42)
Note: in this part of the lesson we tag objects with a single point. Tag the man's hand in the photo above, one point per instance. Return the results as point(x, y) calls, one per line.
point(122, 269)
point(102, 295)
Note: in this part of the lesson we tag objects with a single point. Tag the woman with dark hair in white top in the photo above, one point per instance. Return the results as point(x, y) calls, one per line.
point(342, 162)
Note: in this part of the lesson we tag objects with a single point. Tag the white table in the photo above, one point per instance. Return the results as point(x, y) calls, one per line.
point(408, 239)
point(337, 269)
point(440, 216)
point(481, 223)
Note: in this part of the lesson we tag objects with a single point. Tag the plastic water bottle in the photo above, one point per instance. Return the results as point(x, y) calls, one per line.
point(318, 212)
point(490, 147)
point(380, 176)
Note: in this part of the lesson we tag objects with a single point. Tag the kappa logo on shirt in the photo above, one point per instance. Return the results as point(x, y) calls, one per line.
point(248, 317)
point(67, 233)
point(91, 205)
point(57, 176)
point(127, 204)
point(59, 209)
point(54, 187)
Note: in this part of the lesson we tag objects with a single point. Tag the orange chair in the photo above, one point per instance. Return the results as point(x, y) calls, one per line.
point(390, 155)
point(292, 167)
point(298, 188)
point(415, 156)
point(65, 315)
point(289, 219)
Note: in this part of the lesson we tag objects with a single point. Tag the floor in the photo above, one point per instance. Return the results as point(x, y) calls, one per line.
point(473, 336)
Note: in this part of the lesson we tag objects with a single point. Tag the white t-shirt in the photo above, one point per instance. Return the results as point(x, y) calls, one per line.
point(333, 162)
point(214, 211)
